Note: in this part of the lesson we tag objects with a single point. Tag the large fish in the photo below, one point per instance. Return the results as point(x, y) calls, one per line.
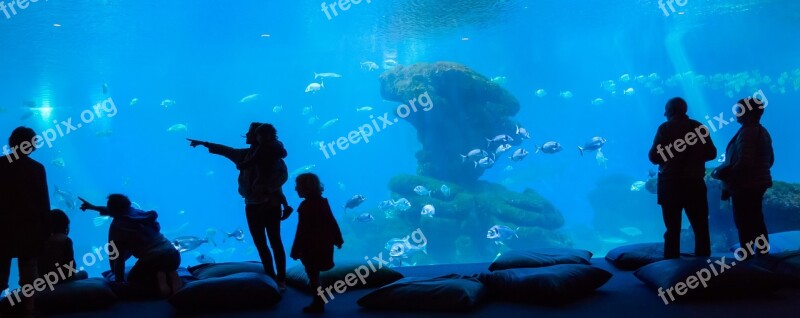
point(594, 144)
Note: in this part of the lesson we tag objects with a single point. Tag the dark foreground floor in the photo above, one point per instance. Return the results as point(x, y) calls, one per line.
point(622, 296)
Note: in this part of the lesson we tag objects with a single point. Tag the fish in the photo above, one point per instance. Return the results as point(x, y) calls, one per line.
point(203, 259)
point(721, 158)
point(653, 77)
point(501, 80)
point(500, 233)
point(565, 94)
point(519, 154)
point(594, 144)
point(329, 123)
point(639, 78)
point(326, 75)
point(609, 86)
point(188, 243)
point(631, 231)
point(638, 186)
point(404, 249)
point(302, 169)
point(625, 78)
point(598, 102)
point(386, 205)
point(421, 190)
point(402, 204)
point(312, 120)
point(485, 163)
point(277, 109)
point(369, 66)
point(100, 220)
point(364, 218)
point(307, 110)
point(629, 92)
point(59, 162)
point(364, 109)
point(167, 103)
point(541, 93)
point(523, 133)
point(601, 159)
point(500, 139)
point(105, 88)
point(70, 201)
point(354, 202)
point(445, 190)
point(250, 98)
point(314, 87)
point(474, 154)
point(178, 128)
point(549, 147)
point(502, 148)
point(508, 168)
point(182, 212)
point(428, 211)
point(237, 234)
point(134, 102)
point(389, 64)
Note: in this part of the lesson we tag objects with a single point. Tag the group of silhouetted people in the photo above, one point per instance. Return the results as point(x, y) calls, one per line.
point(681, 148)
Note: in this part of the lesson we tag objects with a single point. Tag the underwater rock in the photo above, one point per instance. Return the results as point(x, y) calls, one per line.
point(782, 207)
point(467, 109)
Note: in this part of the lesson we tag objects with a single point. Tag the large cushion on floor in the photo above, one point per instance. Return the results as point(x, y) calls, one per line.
point(540, 257)
point(557, 283)
point(733, 279)
point(234, 292)
point(297, 278)
point(73, 296)
point(204, 271)
point(133, 291)
point(446, 293)
point(786, 263)
point(632, 257)
point(778, 242)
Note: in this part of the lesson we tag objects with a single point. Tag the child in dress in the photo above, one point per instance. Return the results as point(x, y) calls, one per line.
point(317, 234)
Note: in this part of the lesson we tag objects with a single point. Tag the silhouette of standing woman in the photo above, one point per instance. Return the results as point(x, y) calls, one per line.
point(263, 199)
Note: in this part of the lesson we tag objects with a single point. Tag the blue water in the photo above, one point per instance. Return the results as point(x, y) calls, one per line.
point(207, 56)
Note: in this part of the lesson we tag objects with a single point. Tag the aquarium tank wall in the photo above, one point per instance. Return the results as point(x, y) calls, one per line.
point(443, 131)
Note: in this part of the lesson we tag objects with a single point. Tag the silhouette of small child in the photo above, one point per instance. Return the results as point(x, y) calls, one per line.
point(267, 159)
point(317, 234)
point(57, 251)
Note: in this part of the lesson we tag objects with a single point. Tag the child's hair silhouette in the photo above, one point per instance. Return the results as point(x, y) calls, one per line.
point(308, 185)
point(59, 222)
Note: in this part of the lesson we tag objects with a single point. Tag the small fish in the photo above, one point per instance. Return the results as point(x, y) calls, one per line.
point(609, 85)
point(386, 205)
point(404, 249)
point(59, 162)
point(639, 78)
point(500, 80)
point(541, 93)
point(638, 186)
point(354, 202)
point(178, 128)
point(369, 65)
point(625, 78)
point(307, 110)
point(189, 243)
point(182, 212)
point(277, 109)
point(312, 120)
point(598, 102)
point(594, 144)
point(302, 169)
point(70, 201)
point(566, 94)
point(389, 64)
point(653, 77)
point(105, 88)
point(250, 98)
point(502, 148)
point(134, 102)
point(428, 211)
point(402, 204)
point(501, 233)
point(314, 87)
point(519, 154)
point(326, 75)
point(523, 133)
point(167, 103)
point(485, 163)
point(629, 92)
point(549, 147)
point(329, 123)
point(100, 220)
point(237, 234)
point(499, 139)
point(474, 154)
point(203, 259)
point(631, 231)
point(421, 190)
point(508, 168)
point(364, 109)
point(364, 218)
point(445, 190)
point(721, 158)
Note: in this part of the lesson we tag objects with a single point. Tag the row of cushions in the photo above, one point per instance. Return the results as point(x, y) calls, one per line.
point(540, 257)
point(72, 296)
point(632, 257)
point(780, 242)
point(543, 285)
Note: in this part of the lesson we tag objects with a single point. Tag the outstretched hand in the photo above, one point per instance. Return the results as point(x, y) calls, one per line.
point(85, 205)
point(194, 143)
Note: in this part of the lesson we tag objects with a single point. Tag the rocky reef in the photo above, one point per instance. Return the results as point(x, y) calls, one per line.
point(467, 109)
